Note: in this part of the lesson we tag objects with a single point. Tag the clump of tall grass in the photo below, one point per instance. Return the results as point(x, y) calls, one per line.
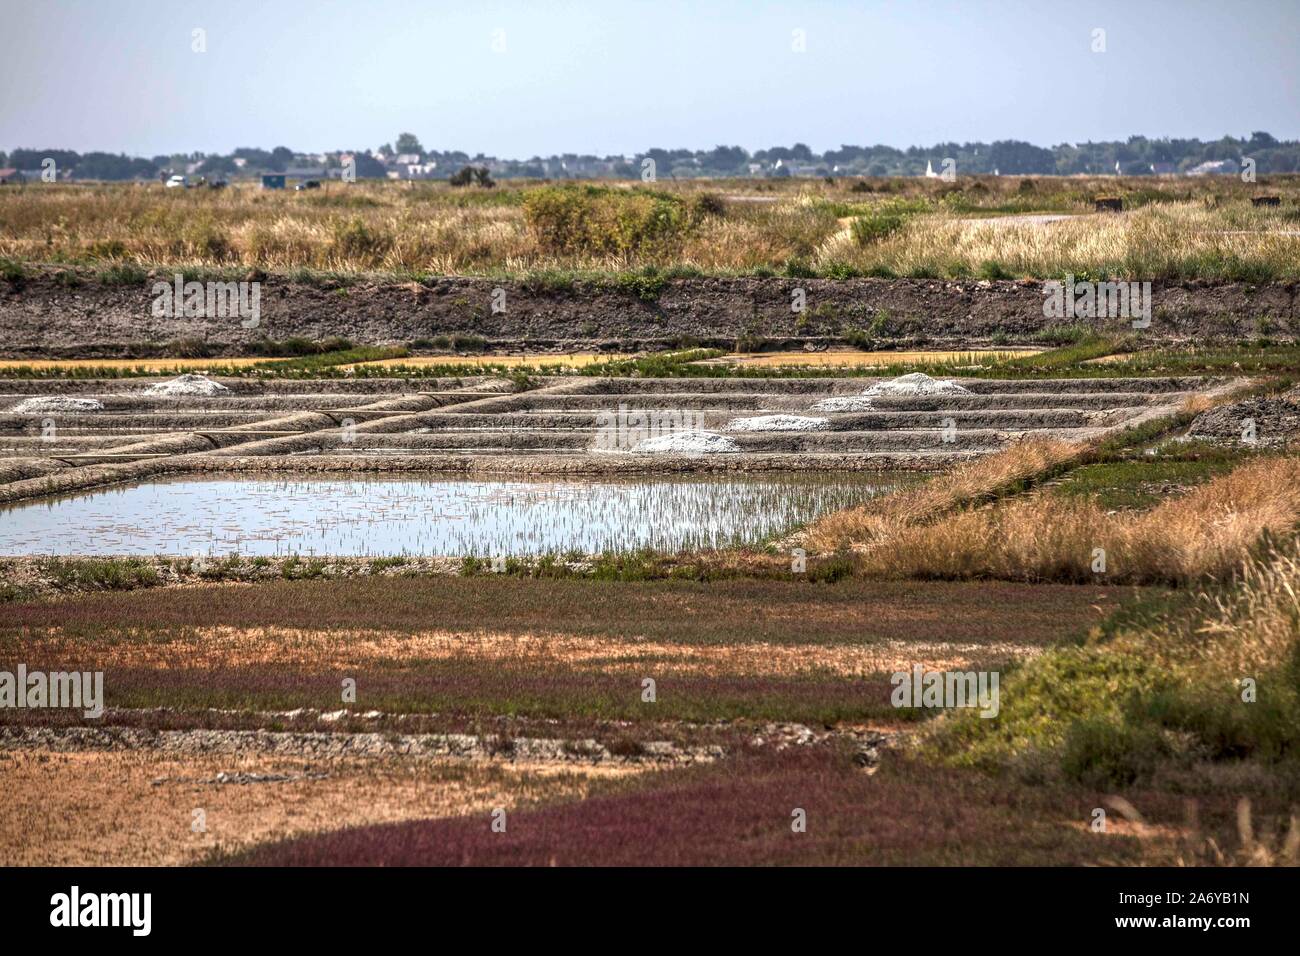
point(979, 480)
point(1202, 534)
point(881, 222)
point(94, 574)
point(1256, 623)
point(357, 243)
point(598, 221)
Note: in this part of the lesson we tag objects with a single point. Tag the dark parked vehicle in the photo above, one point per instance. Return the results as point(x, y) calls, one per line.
point(308, 184)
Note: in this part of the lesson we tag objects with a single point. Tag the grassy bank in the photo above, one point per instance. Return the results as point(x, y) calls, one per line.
point(1174, 230)
point(1198, 535)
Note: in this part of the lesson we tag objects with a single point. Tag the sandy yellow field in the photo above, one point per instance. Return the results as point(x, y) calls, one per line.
point(152, 365)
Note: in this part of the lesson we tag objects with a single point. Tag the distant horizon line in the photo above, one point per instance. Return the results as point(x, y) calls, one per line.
point(1075, 144)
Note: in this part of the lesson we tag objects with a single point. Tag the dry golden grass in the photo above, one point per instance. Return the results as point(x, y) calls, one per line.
point(1152, 242)
point(862, 527)
point(1198, 230)
point(1204, 533)
point(167, 365)
point(1247, 629)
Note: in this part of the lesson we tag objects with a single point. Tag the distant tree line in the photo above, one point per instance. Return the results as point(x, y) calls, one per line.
point(1136, 155)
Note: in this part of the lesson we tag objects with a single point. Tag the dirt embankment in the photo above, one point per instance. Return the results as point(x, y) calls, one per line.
point(41, 315)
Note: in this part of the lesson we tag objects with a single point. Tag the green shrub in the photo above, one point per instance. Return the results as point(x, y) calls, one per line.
point(840, 270)
point(868, 339)
point(123, 273)
point(1225, 727)
point(990, 269)
point(832, 569)
point(549, 280)
point(1106, 753)
point(598, 221)
point(644, 285)
point(12, 270)
point(883, 221)
point(94, 574)
point(875, 226)
point(798, 268)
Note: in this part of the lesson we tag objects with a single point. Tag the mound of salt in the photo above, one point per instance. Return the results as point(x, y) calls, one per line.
point(187, 384)
point(688, 443)
point(842, 403)
point(58, 405)
point(778, 423)
point(916, 383)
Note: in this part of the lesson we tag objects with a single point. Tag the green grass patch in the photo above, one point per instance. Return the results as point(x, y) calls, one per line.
point(365, 353)
point(1141, 483)
point(94, 574)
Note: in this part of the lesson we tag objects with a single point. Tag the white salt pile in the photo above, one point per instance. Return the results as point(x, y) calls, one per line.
point(688, 442)
point(914, 383)
point(57, 405)
point(778, 423)
point(917, 383)
point(187, 385)
point(843, 403)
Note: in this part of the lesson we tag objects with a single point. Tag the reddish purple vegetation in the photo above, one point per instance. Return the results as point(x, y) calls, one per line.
point(474, 688)
point(740, 813)
point(850, 611)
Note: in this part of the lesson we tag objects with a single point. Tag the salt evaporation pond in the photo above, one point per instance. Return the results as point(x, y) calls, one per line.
point(349, 516)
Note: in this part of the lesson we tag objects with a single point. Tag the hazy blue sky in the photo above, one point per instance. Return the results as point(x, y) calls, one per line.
point(623, 75)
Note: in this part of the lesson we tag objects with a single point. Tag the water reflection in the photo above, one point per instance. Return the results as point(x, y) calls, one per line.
point(425, 516)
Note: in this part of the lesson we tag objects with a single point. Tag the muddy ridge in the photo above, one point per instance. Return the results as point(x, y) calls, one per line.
point(45, 316)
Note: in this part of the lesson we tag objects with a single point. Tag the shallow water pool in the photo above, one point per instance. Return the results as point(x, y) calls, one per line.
point(383, 515)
